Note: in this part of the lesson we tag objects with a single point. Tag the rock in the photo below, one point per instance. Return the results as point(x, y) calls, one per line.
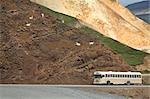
point(147, 61)
point(78, 44)
point(42, 15)
point(91, 43)
point(31, 17)
point(28, 24)
point(145, 65)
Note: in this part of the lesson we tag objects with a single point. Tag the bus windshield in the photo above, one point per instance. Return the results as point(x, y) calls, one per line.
point(98, 76)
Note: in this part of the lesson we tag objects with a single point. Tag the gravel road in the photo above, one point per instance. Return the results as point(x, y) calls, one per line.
point(49, 92)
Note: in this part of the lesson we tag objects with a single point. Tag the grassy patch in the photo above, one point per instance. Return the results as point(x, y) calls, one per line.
point(131, 56)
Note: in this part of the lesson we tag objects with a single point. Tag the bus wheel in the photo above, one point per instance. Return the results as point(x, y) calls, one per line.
point(128, 83)
point(108, 83)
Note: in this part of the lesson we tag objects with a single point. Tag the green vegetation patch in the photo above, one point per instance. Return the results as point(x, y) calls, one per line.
point(130, 55)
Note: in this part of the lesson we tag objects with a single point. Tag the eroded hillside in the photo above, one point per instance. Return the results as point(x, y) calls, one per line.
point(38, 48)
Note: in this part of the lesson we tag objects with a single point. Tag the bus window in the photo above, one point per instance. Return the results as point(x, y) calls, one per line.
point(128, 76)
point(134, 76)
point(139, 76)
point(99, 76)
point(123, 76)
point(106, 75)
point(110, 75)
point(113, 75)
point(117, 76)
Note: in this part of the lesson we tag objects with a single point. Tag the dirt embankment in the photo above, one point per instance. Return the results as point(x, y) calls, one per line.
point(37, 48)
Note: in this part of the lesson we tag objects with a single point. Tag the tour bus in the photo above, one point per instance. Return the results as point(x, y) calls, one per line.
point(101, 77)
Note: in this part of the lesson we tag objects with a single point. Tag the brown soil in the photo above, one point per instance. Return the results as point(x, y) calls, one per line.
point(45, 52)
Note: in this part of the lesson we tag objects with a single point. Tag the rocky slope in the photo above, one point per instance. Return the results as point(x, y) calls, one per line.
point(38, 48)
point(146, 64)
point(108, 17)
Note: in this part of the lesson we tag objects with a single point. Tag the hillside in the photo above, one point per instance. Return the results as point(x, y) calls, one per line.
point(130, 55)
point(107, 17)
point(36, 47)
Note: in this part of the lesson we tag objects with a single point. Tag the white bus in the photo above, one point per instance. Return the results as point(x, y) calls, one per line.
point(101, 77)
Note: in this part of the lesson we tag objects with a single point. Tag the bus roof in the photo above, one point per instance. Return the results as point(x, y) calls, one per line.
point(110, 72)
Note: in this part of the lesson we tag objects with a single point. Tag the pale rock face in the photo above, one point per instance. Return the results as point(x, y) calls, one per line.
point(107, 17)
point(145, 65)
